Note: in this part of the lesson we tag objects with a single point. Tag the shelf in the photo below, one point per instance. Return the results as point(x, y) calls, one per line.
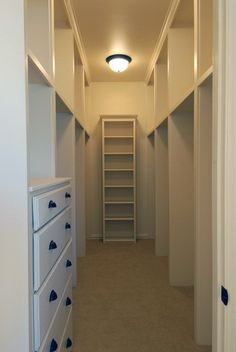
point(119, 205)
point(119, 239)
point(119, 170)
point(121, 202)
point(119, 186)
point(118, 137)
point(37, 73)
point(62, 106)
point(119, 219)
point(40, 32)
point(118, 153)
point(204, 77)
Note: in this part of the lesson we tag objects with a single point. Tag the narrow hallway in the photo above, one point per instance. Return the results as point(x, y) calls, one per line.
point(123, 302)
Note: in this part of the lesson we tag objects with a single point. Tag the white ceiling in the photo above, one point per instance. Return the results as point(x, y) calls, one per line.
point(129, 27)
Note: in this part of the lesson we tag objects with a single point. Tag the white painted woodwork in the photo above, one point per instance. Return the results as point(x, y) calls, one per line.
point(181, 199)
point(204, 34)
point(41, 131)
point(116, 215)
point(44, 257)
point(161, 92)
point(180, 64)
point(203, 214)
point(162, 190)
point(40, 32)
point(68, 333)
point(65, 166)
point(44, 310)
point(15, 237)
point(80, 159)
point(64, 65)
point(79, 99)
point(42, 213)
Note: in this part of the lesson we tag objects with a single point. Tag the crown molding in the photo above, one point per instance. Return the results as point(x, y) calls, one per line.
point(162, 37)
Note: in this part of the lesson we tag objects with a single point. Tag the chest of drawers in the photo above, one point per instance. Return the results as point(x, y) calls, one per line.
point(52, 267)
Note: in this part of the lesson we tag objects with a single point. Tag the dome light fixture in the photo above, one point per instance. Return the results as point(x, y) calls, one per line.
point(118, 62)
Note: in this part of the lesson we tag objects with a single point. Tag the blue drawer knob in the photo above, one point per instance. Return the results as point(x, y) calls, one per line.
point(52, 204)
point(53, 296)
point(68, 301)
point(52, 245)
point(67, 226)
point(67, 195)
point(53, 346)
point(68, 263)
point(68, 343)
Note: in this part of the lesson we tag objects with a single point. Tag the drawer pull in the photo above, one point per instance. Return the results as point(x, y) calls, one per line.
point(52, 245)
point(68, 343)
point(68, 301)
point(53, 296)
point(68, 263)
point(67, 226)
point(67, 195)
point(52, 204)
point(53, 346)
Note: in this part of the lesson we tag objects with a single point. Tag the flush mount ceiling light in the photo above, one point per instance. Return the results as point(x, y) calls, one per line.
point(118, 62)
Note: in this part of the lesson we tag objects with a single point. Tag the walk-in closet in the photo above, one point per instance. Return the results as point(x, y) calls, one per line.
point(108, 176)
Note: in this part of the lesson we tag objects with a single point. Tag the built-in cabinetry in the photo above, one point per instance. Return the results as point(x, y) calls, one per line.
point(48, 98)
point(119, 182)
point(51, 204)
point(182, 83)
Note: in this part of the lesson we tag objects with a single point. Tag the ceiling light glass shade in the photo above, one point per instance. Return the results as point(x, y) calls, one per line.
point(118, 62)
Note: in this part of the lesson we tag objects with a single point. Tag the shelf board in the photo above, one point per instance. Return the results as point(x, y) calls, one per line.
point(62, 106)
point(119, 218)
point(120, 170)
point(117, 137)
point(119, 202)
point(36, 71)
point(115, 153)
point(119, 186)
point(205, 76)
point(119, 239)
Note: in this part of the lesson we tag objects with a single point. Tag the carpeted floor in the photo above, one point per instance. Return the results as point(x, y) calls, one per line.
point(124, 303)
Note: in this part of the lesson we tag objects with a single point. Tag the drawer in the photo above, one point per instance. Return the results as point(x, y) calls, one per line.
point(49, 242)
point(47, 205)
point(47, 299)
point(67, 339)
point(55, 336)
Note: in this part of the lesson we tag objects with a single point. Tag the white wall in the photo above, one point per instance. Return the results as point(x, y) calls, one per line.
point(132, 98)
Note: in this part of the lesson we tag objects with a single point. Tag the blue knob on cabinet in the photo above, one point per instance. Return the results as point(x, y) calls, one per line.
point(68, 343)
point(52, 245)
point(68, 301)
point(52, 204)
point(67, 195)
point(53, 296)
point(53, 346)
point(68, 263)
point(67, 226)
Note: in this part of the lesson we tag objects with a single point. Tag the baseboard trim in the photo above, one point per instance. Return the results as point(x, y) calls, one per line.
point(140, 236)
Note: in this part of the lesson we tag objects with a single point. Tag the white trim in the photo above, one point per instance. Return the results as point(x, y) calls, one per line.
point(78, 38)
point(141, 236)
point(162, 37)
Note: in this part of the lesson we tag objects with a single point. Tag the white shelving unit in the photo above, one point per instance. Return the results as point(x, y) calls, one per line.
point(119, 180)
point(182, 78)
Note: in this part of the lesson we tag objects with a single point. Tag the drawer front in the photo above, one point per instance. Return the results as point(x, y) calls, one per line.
point(47, 299)
point(67, 339)
point(54, 336)
point(49, 242)
point(47, 205)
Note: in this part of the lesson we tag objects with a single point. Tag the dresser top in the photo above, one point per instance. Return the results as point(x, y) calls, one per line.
point(39, 183)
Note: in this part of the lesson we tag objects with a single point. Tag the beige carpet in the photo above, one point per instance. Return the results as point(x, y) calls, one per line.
point(123, 302)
